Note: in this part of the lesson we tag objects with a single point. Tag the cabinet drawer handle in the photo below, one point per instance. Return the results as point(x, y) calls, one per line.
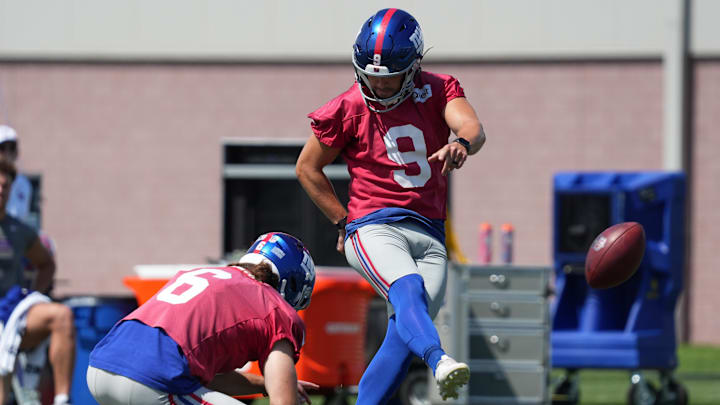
point(498, 308)
point(501, 344)
point(498, 280)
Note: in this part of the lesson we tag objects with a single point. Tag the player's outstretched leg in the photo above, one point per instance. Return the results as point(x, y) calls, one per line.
point(407, 294)
point(386, 371)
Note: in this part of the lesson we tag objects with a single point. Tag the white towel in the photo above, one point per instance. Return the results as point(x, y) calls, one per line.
point(29, 367)
point(12, 331)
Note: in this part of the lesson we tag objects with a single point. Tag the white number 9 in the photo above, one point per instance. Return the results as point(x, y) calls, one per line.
point(417, 155)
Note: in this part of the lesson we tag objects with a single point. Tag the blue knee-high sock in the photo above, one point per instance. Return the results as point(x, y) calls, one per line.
point(407, 295)
point(386, 371)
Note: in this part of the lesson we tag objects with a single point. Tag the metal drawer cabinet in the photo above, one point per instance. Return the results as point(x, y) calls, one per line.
point(497, 320)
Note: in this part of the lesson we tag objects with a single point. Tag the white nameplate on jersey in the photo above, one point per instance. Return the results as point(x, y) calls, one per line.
point(422, 94)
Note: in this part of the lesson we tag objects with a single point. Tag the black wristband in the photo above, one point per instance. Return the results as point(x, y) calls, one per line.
point(464, 142)
point(341, 223)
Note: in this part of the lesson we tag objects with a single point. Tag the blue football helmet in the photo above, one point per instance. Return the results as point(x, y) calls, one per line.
point(390, 43)
point(291, 261)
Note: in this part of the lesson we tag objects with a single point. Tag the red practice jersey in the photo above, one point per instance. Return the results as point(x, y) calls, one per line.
point(221, 318)
point(387, 153)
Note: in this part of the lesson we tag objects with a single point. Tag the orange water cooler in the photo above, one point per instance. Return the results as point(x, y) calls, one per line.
point(336, 325)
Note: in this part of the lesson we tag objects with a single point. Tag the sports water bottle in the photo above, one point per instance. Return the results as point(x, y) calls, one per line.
point(506, 231)
point(485, 245)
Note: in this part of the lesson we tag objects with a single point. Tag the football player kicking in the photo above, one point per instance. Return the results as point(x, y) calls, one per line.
point(186, 344)
point(393, 130)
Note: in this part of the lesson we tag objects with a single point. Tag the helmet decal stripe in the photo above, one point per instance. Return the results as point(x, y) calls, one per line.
point(381, 34)
point(262, 243)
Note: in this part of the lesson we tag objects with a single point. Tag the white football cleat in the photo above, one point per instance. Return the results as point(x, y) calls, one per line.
point(451, 376)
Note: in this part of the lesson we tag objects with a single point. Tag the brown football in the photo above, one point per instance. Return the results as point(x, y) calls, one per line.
point(615, 255)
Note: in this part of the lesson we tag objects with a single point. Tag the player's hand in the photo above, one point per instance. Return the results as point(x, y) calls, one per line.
point(340, 247)
point(453, 156)
point(303, 397)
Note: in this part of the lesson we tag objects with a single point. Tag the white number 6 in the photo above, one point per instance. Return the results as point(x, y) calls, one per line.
point(197, 285)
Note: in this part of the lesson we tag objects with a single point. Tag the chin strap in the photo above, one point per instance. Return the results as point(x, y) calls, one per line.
point(393, 105)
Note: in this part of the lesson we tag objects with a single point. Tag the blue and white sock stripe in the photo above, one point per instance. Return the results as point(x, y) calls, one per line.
point(375, 278)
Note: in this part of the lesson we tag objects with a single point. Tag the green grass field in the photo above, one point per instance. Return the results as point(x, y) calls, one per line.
point(699, 372)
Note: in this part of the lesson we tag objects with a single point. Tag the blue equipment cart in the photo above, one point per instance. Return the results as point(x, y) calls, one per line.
point(94, 317)
point(631, 326)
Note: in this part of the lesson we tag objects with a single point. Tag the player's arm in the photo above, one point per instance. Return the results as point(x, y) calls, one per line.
point(314, 156)
point(281, 381)
point(41, 259)
point(463, 122)
point(238, 383)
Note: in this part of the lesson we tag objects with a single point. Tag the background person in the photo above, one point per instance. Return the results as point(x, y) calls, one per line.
point(29, 317)
point(19, 203)
point(21, 193)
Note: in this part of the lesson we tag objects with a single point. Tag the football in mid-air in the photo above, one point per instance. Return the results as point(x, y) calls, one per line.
point(615, 255)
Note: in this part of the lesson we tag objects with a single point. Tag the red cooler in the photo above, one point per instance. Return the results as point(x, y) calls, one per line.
point(336, 323)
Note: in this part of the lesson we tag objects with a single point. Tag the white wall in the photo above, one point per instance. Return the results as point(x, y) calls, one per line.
point(705, 33)
point(324, 30)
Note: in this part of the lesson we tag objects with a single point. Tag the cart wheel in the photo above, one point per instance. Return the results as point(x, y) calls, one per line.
point(414, 390)
point(566, 393)
point(674, 394)
point(642, 393)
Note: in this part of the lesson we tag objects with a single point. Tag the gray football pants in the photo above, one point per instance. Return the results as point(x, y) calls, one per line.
point(114, 389)
point(382, 253)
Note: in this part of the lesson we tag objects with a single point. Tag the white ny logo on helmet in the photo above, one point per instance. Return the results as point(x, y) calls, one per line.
point(417, 39)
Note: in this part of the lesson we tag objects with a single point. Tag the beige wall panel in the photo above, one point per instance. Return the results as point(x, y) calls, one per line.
point(131, 154)
point(705, 186)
